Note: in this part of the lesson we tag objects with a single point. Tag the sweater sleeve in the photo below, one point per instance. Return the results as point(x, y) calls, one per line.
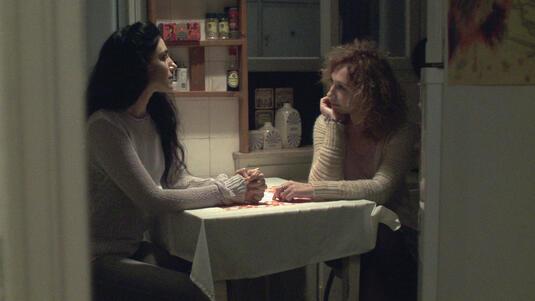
point(233, 188)
point(112, 150)
point(329, 151)
point(390, 174)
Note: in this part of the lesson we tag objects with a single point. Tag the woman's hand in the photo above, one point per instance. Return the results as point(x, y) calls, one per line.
point(327, 110)
point(254, 196)
point(256, 184)
point(294, 191)
point(249, 172)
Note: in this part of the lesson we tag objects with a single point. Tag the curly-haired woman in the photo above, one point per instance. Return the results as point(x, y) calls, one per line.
point(362, 150)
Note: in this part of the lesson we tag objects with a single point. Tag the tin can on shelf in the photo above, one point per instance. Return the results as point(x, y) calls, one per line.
point(212, 25)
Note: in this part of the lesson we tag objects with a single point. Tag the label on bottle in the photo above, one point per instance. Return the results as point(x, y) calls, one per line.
point(211, 28)
point(233, 79)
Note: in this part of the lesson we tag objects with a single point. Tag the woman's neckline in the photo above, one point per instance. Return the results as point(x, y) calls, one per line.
point(145, 116)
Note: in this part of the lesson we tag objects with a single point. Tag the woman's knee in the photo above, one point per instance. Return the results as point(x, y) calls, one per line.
point(119, 276)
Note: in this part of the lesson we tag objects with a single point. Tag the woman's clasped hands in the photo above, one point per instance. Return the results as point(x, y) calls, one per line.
point(256, 184)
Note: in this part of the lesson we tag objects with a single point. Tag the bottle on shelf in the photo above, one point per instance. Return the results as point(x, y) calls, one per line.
point(181, 77)
point(233, 71)
point(288, 122)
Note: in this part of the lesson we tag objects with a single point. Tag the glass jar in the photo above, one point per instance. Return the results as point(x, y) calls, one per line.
point(212, 25)
point(224, 32)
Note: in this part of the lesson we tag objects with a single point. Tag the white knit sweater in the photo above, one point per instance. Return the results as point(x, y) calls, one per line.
point(126, 165)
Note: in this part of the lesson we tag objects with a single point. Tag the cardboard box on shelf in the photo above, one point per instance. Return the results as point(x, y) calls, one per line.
point(181, 30)
point(263, 98)
point(168, 31)
point(194, 31)
point(283, 95)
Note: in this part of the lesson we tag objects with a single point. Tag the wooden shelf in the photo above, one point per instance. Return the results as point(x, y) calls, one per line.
point(206, 43)
point(206, 94)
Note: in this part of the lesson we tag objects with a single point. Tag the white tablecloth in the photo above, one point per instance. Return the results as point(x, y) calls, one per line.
point(239, 242)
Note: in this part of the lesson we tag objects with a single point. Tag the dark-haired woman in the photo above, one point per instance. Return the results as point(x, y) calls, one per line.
point(137, 171)
point(362, 150)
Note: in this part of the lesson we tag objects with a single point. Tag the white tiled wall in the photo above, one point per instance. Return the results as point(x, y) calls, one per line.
point(224, 117)
point(209, 134)
point(216, 68)
point(194, 115)
point(221, 154)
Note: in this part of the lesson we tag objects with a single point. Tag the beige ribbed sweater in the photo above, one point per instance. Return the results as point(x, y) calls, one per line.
point(387, 187)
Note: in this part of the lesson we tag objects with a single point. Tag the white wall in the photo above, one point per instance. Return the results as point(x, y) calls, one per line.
point(210, 134)
point(487, 197)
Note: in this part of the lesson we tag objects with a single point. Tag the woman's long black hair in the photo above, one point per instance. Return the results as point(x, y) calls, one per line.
point(119, 77)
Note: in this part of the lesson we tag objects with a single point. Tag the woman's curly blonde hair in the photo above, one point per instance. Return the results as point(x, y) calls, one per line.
point(376, 89)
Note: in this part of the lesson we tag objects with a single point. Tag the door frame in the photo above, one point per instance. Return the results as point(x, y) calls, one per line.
point(433, 89)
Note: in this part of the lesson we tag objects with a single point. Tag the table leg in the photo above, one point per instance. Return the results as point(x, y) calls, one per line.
point(350, 278)
point(220, 290)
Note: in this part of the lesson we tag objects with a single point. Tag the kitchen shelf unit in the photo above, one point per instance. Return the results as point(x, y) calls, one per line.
point(196, 10)
point(207, 94)
point(206, 43)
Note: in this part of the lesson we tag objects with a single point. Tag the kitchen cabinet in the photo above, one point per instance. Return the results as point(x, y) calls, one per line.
point(289, 35)
point(165, 10)
point(290, 29)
